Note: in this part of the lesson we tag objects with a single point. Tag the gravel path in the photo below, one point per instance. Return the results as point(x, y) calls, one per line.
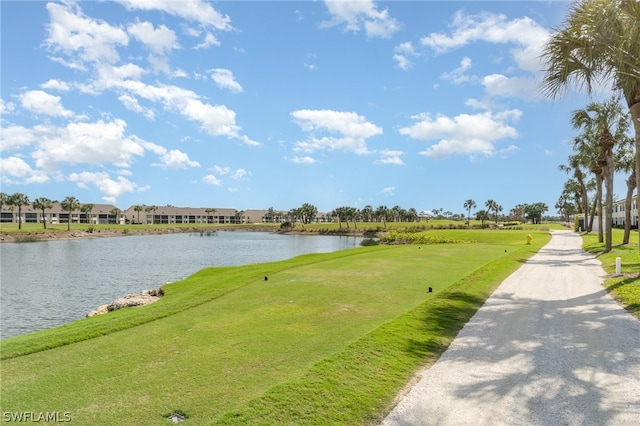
point(549, 347)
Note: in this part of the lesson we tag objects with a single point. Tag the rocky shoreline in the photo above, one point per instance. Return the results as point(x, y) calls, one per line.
point(143, 298)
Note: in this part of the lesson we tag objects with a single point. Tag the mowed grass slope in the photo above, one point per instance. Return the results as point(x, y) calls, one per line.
point(327, 339)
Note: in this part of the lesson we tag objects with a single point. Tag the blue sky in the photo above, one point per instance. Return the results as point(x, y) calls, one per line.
point(251, 105)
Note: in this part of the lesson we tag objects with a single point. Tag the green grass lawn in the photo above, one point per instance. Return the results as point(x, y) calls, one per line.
point(327, 339)
point(625, 288)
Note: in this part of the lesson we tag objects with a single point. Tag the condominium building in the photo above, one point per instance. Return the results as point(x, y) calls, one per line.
point(619, 213)
point(99, 214)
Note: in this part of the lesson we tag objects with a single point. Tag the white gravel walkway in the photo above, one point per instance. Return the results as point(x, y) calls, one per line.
point(549, 347)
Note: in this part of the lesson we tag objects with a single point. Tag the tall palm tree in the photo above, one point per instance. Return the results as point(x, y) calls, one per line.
point(598, 42)
point(468, 205)
point(575, 168)
point(491, 206)
point(138, 208)
point(598, 121)
point(116, 213)
point(86, 209)
point(18, 200)
point(70, 204)
point(42, 203)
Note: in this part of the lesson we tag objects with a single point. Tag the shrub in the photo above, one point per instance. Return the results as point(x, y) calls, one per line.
point(369, 242)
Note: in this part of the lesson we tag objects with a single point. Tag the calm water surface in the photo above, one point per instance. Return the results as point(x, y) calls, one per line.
point(46, 284)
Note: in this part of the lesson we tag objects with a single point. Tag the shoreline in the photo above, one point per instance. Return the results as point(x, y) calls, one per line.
point(44, 235)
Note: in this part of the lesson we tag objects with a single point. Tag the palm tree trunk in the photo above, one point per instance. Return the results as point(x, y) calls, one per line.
point(631, 185)
point(599, 180)
point(635, 118)
point(609, 203)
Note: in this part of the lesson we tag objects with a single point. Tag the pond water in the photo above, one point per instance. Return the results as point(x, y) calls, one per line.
point(46, 284)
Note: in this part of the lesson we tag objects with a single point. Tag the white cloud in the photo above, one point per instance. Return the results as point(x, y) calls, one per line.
point(16, 137)
point(404, 54)
point(40, 102)
point(389, 190)
point(209, 40)
point(221, 170)
point(390, 157)
point(212, 180)
point(359, 15)
point(466, 134)
point(458, 76)
point(216, 120)
point(224, 79)
point(6, 107)
point(492, 28)
point(303, 160)
point(501, 85)
point(92, 143)
point(132, 104)
point(525, 35)
point(348, 123)
point(352, 130)
point(109, 187)
point(192, 10)
point(159, 40)
point(54, 84)
point(175, 159)
point(240, 174)
point(82, 38)
point(16, 167)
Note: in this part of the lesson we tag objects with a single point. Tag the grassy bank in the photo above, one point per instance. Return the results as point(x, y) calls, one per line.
point(626, 287)
point(327, 339)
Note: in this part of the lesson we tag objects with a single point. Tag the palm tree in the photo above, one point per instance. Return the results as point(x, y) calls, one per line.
point(482, 216)
point(42, 203)
point(575, 169)
point(70, 204)
point(382, 212)
point(18, 200)
point(271, 214)
point(468, 205)
point(367, 213)
point(150, 209)
point(597, 121)
point(116, 213)
point(598, 42)
point(491, 206)
point(210, 212)
point(3, 199)
point(86, 209)
point(138, 208)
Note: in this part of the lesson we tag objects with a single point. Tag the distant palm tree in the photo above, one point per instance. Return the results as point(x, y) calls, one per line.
point(382, 213)
point(86, 209)
point(482, 215)
point(43, 204)
point(3, 199)
point(210, 212)
point(18, 200)
point(116, 213)
point(70, 204)
point(151, 209)
point(138, 208)
point(469, 204)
